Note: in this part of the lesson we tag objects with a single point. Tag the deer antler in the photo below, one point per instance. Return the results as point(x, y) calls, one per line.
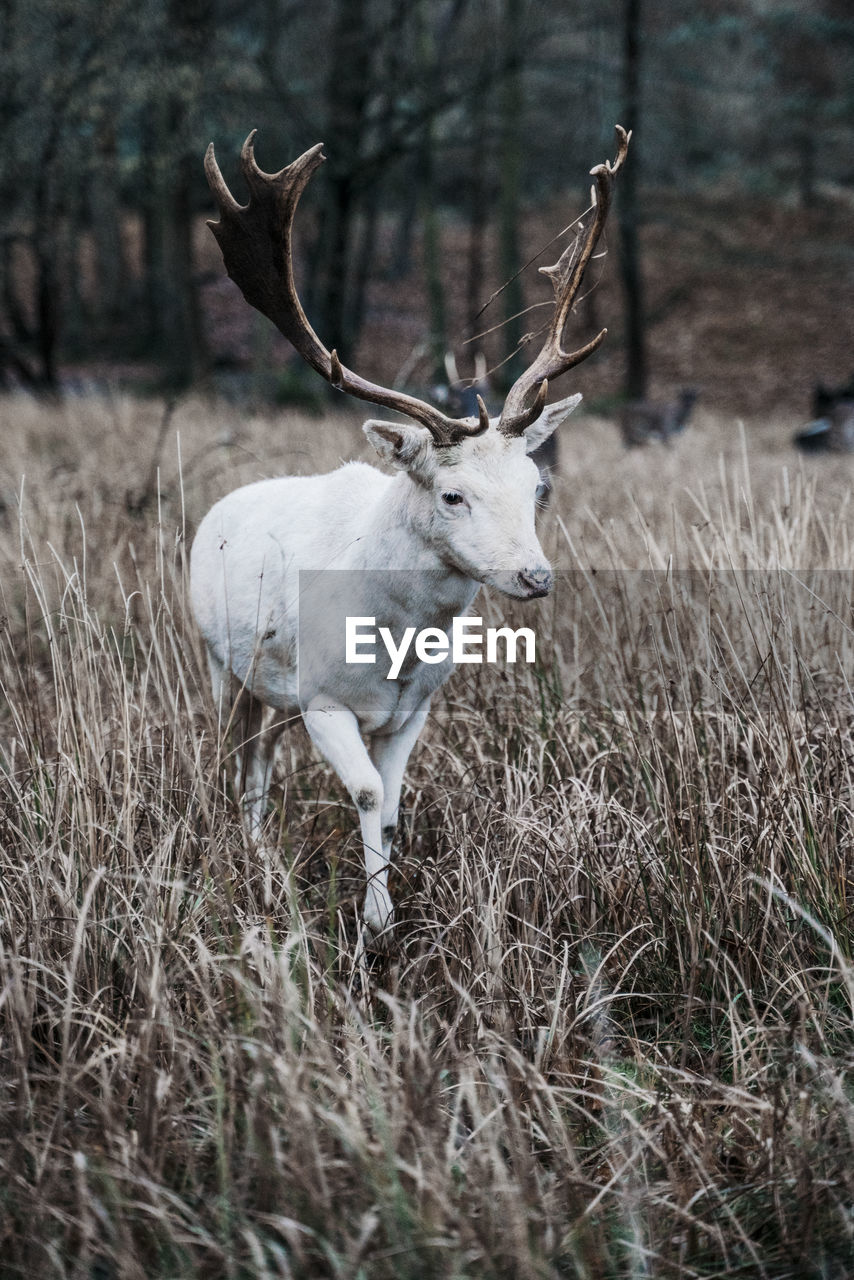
point(256, 244)
point(527, 397)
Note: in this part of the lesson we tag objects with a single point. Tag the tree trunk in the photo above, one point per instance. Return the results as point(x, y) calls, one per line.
point(510, 258)
point(14, 348)
point(105, 215)
point(346, 95)
point(47, 311)
point(430, 223)
point(438, 335)
point(628, 215)
point(174, 320)
point(153, 227)
point(400, 264)
point(364, 257)
point(48, 214)
point(478, 210)
point(185, 356)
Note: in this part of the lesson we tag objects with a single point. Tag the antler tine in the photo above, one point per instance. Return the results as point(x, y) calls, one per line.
point(225, 200)
point(248, 163)
point(520, 409)
point(256, 244)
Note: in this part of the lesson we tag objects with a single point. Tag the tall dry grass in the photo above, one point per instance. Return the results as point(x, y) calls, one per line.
point(614, 1039)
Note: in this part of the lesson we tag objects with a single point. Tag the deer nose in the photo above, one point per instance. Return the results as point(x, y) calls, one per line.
point(537, 581)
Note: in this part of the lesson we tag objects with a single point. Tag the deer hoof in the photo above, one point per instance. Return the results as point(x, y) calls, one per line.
point(378, 925)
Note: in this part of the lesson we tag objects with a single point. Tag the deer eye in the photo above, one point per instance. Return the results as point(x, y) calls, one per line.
point(452, 498)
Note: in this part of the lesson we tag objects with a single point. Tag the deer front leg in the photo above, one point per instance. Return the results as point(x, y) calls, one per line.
point(334, 730)
point(390, 753)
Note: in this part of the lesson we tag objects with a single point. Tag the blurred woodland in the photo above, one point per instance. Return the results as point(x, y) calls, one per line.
point(459, 135)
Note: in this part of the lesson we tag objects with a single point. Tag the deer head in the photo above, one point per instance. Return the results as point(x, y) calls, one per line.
point(477, 486)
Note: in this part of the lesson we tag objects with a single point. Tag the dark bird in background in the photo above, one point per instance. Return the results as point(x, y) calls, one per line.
point(832, 428)
point(645, 420)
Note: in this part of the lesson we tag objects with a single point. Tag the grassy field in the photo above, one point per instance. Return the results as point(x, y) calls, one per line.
point(613, 1039)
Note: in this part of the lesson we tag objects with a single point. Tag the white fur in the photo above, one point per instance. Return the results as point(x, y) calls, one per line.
point(245, 588)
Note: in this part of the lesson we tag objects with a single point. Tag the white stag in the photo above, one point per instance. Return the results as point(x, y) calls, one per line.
point(458, 511)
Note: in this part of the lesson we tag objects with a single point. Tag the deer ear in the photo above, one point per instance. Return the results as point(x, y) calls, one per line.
point(405, 446)
point(548, 421)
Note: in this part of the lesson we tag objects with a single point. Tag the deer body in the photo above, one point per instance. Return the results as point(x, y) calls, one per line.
point(248, 569)
point(642, 420)
point(457, 512)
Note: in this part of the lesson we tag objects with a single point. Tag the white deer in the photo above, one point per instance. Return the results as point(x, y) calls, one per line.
point(458, 511)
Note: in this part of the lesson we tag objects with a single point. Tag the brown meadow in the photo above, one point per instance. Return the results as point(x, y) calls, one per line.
point(616, 1035)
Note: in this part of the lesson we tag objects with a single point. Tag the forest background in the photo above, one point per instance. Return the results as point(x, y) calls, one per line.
point(459, 135)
